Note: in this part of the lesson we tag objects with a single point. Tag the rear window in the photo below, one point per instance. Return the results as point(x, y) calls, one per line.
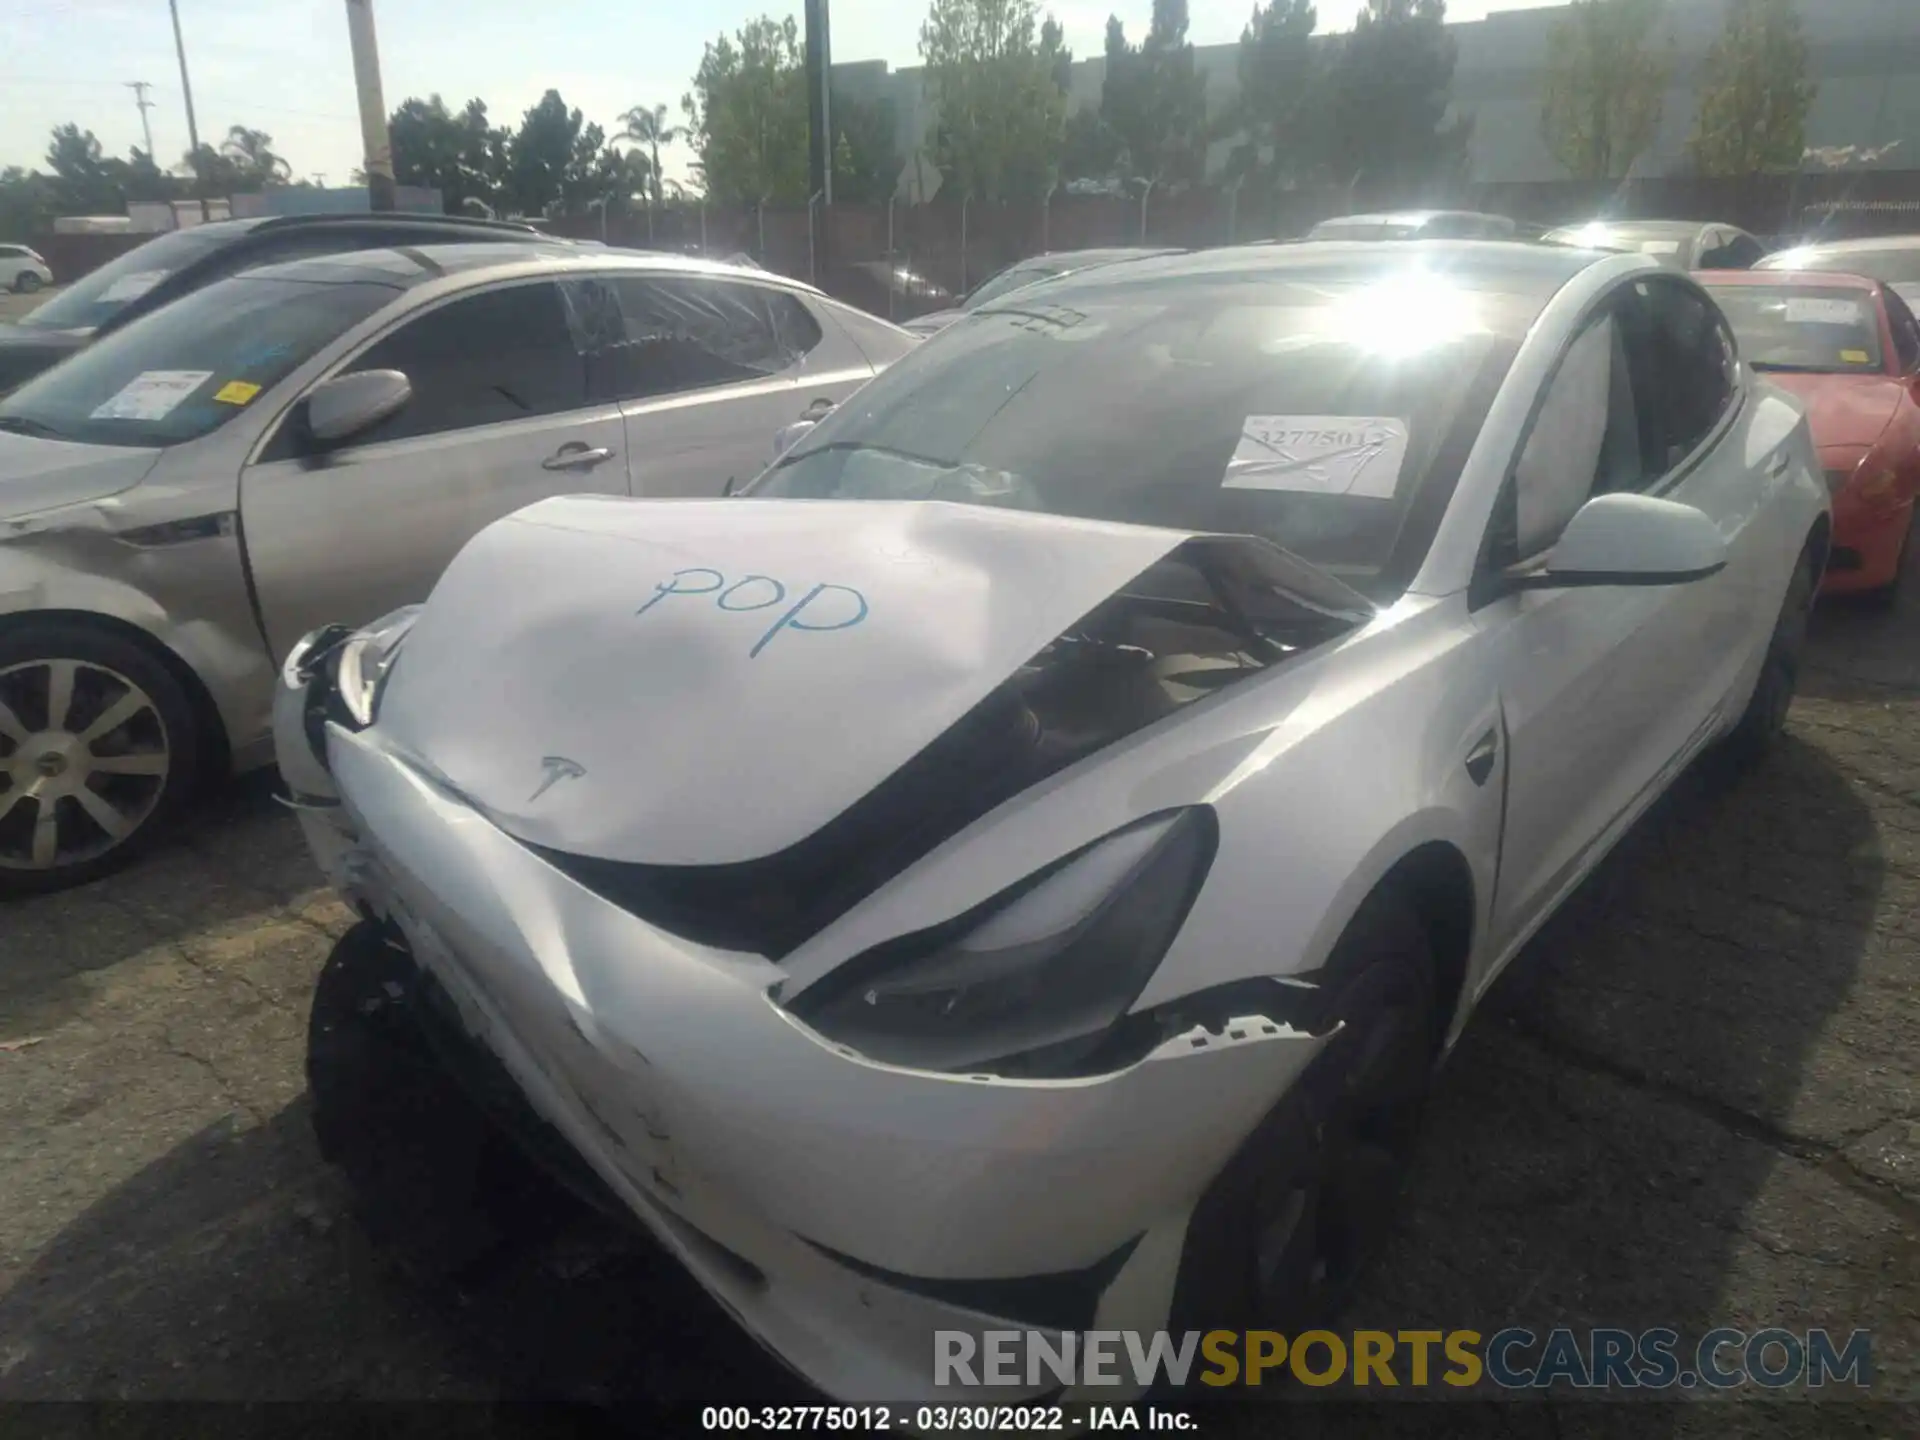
point(1008, 281)
point(98, 296)
point(1805, 328)
point(191, 366)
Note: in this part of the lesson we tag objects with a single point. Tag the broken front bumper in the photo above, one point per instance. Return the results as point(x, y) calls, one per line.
point(841, 1209)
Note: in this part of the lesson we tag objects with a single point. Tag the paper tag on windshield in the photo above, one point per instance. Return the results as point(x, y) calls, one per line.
point(1319, 455)
point(152, 394)
point(1804, 311)
point(1660, 247)
point(132, 287)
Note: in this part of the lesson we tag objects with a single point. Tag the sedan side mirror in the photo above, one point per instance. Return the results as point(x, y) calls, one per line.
point(1626, 539)
point(336, 410)
point(784, 438)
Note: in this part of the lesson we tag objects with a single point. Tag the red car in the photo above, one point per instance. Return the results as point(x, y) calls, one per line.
point(1849, 347)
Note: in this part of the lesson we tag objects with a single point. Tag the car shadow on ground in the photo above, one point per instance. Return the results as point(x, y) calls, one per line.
point(1625, 1127)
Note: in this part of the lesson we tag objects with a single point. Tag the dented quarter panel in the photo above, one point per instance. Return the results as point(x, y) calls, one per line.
point(163, 555)
point(696, 1086)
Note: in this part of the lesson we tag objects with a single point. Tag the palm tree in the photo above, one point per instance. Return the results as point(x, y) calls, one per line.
point(649, 127)
point(251, 152)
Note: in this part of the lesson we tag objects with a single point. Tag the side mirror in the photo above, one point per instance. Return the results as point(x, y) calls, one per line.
point(348, 405)
point(787, 434)
point(1631, 540)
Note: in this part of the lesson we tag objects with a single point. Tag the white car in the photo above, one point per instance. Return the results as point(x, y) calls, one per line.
point(1019, 866)
point(22, 269)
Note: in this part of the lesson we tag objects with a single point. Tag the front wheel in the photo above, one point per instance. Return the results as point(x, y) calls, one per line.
point(98, 749)
point(1287, 1228)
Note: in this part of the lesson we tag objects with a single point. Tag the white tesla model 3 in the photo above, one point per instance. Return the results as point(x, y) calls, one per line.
point(1021, 863)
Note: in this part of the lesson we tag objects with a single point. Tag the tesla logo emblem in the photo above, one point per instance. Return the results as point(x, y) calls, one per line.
point(557, 768)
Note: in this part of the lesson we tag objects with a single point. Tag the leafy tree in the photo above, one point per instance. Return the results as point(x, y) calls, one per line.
point(1606, 80)
point(648, 126)
point(1754, 92)
point(866, 157)
point(463, 156)
point(1390, 88)
point(1001, 114)
point(747, 115)
point(543, 155)
point(254, 162)
point(83, 181)
point(144, 180)
point(213, 172)
point(26, 203)
point(1276, 117)
point(1154, 101)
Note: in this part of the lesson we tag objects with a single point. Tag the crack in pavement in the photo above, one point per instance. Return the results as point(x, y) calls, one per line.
point(1816, 1154)
point(226, 1087)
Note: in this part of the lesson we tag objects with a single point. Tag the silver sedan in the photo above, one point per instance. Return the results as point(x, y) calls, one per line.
point(313, 441)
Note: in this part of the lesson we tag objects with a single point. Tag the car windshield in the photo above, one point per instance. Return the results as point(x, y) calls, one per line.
point(1804, 328)
point(189, 367)
point(1900, 267)
point(1010, 280)
point(1314, 415)
point(101, 294)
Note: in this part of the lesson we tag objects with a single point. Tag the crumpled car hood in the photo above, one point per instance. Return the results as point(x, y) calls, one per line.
point(689, 682)
point(38, 474)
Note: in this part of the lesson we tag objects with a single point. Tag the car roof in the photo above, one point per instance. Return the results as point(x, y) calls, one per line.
point(1657, 228)
point(1410, 217)
point(1863, 245)
point(1526, 276)
point(1825, 279)
point(408, 266)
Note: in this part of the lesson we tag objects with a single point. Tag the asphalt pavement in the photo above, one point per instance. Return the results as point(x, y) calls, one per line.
point(13, 304)
point(1692, 1105)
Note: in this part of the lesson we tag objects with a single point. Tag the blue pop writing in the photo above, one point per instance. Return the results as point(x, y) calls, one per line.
point(763, 592)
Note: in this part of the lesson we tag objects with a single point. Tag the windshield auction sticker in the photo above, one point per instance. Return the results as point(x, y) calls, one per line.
point(236, 392)
point(1319, 455)
point(1806, 311)
point(152, 394)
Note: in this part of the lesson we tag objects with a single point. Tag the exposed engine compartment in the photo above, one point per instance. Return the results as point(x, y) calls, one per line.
point(1215, 612)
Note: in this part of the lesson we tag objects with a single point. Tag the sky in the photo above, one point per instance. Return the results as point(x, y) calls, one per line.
point(284, 66)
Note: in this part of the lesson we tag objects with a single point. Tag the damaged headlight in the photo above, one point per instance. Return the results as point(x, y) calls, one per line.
point(366, 658)
point(1050, 965)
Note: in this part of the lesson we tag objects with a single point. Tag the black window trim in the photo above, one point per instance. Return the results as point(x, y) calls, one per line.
point(1488, 584)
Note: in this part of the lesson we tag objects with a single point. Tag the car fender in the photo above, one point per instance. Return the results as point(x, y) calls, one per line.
point(180, 583)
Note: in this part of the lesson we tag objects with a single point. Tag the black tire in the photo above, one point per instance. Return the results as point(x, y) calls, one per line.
point(1291, 1223)
point(109, 667)
point(434, 1182)
point(1765, 718)
point(28, 283)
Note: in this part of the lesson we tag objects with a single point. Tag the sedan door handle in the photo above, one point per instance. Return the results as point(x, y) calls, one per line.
point(1778, 465)
point(575, 455)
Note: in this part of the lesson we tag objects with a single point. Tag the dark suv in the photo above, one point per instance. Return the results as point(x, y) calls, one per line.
point(171, 265)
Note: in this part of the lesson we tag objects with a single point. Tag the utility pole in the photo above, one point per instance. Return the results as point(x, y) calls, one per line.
point(186, 91)
point(819, 71)
point(373, 110)
point(140, 88)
